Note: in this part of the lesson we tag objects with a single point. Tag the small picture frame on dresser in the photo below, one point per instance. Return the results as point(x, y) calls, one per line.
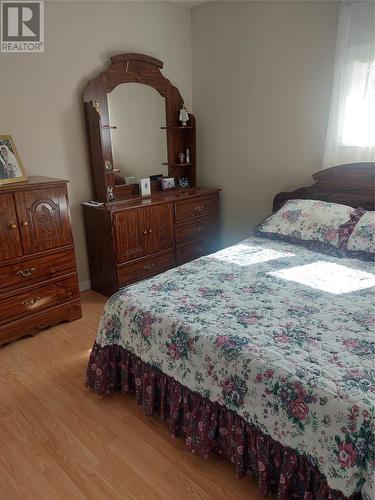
point(145, 186)
point(11, 168)
point(168, 183)
point(183, 182)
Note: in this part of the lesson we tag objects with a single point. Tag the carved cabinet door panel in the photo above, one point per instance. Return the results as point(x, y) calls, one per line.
point(10, 241)
point(160, 227)
point(44, 219)
point(130, 236)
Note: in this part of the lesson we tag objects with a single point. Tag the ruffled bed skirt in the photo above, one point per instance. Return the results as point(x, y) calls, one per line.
point(208, 427)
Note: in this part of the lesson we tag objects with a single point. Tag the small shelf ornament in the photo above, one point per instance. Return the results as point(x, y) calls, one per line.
point(110, 195)
point(184, 116)
point(108, 166)
point(96, 106)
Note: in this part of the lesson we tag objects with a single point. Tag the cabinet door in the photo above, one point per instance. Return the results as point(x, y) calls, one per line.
point(159, 227)
point(44, 219)
point(130, 236)
point(10, 241)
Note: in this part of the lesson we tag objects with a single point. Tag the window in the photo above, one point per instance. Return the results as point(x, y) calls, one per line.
point(359, 108)
point(351, 127)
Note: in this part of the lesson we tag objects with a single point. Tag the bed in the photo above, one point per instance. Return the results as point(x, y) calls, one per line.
point(263, 352)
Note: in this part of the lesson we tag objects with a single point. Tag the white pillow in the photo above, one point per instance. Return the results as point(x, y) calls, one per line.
point(308, 220)
point(362, 238)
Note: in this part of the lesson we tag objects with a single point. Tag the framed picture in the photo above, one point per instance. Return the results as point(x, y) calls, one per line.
point(11, 168)
point(145, 187)
point(167, 183)
point(183, 182)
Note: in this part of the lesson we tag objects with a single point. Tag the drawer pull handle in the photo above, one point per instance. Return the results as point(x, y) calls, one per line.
point(147, 231)
point(12, 226)
point(26, 272)
point(148, 267)
point(198, 228)
point(31, 302)
point(24, 223)
point(199, 209)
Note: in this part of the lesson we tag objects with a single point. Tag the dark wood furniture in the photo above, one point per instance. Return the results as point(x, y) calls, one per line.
point(352, 184)
point(138, 238)
point(131, 237)
point(142, 69)
point(38, 277)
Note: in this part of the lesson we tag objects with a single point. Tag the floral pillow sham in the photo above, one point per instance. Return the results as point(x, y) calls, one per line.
point(361, 242)
point(314, 223)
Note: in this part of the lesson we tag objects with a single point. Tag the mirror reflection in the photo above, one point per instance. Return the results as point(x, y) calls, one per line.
point(139, 147)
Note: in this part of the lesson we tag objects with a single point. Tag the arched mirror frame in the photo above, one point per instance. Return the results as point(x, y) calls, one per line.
point(142, 69)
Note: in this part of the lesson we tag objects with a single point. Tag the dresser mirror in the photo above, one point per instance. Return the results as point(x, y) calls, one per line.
point(139, 146)
point(132, 116)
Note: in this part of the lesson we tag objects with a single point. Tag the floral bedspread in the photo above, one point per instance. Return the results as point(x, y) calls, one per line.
point(281, 335)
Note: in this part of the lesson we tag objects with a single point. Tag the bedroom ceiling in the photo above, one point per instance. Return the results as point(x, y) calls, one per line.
point(190, 3)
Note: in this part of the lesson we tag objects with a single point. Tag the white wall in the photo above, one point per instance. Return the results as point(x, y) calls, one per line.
point(41, 104)
point(262, 78)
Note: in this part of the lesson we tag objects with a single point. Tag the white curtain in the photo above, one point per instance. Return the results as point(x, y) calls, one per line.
point(351, 128)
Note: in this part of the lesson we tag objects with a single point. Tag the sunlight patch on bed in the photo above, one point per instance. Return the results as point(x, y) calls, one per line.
point(328, 277)
point(246, 255)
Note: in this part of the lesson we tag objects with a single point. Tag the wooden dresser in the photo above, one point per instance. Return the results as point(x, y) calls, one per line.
point(135, 239)
point(38, 276)
point(130, 237)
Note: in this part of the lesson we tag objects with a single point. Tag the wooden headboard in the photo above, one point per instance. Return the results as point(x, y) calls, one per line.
point(352, 184)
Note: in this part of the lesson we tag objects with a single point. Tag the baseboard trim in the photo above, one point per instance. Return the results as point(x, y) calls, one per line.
point(84, 285)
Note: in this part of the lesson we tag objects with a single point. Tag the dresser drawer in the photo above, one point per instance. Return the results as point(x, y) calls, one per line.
point(197, 229)
point(191, 209)
point(36, 269)
point(145, 268)
point(194, 250)
point(37, 298)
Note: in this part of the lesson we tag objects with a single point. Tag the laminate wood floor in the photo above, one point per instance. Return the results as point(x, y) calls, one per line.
point(58, 440)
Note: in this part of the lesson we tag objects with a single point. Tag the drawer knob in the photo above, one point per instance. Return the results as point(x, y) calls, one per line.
point(149, 231)
point(12, 226)
point(31, 302)
point(148, 267)
point(145, 232)
point(24, 223)
point(198, 228)
point(26, 272)
point(198, 209)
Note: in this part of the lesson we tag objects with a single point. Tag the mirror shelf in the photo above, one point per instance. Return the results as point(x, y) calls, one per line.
point(178, 127)
point(177, 164)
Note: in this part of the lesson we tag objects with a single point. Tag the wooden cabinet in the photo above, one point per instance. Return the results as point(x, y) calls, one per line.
point(197, 208)
point(143, 231)
point(9, 233)
point(197, 227)
point(138, 238)
point(34, 299)
point(159, 227)
point(194, 249)
point(130, 241)
point(26, 271)
point(38, 276)
point(43, 218)
point(144, 268)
